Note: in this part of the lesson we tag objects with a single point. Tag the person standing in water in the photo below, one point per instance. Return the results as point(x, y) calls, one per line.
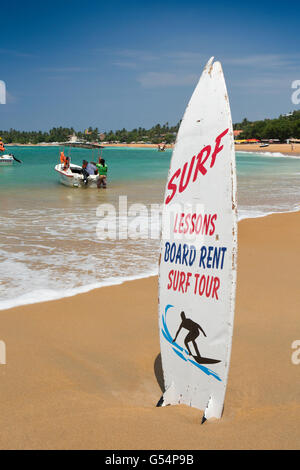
point(193, 332)
point(85, 173)
point(62, 157)
point(66, 164)
point(102, 171)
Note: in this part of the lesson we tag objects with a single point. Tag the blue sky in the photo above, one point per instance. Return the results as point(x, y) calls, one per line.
point(129, 64)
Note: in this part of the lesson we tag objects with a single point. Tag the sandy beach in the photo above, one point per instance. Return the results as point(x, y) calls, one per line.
point(84, 372)
point(142, 146)
point(44, 144)
point(286, 149)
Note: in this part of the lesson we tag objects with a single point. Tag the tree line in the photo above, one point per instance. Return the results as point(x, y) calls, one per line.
point(282, 128)
point(158, 133)
point(155, 134)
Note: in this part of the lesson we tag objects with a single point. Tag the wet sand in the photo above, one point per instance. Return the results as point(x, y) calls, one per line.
point(84, 372)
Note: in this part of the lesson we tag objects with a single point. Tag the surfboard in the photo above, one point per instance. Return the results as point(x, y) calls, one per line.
point(197, 270)
point(205, 360)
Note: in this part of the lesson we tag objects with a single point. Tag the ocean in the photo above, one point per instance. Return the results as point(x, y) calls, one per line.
point(51, 244)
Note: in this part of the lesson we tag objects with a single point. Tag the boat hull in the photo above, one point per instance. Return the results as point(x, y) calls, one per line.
point(6, 160)
point(75, 180)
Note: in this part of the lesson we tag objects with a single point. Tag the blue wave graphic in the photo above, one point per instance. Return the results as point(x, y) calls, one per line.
point(179, 354)
point(168, 337)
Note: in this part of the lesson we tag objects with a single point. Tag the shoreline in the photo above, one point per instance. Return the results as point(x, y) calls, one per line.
point(53, 295)
point(56, 144)
point(7, 304)
point(284, 149)
point(84, 372)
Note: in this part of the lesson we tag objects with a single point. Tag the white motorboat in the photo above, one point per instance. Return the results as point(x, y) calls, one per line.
point(6, 160)
point(73, 176)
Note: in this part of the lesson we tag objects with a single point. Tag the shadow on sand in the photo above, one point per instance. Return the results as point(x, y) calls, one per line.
point(159, 373)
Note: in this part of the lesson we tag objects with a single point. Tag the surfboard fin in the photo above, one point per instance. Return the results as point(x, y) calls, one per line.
point(213, 410)
point(160, 402)
point(168, 397)
point(207, 412)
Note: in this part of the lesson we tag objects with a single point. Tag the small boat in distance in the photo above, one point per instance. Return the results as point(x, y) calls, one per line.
point(72, 175)
point(7, 159)
point(161, 147)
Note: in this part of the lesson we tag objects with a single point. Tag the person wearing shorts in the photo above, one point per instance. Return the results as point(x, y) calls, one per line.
point(102, 171)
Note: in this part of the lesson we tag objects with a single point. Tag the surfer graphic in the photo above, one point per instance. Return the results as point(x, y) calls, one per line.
point(193, 332)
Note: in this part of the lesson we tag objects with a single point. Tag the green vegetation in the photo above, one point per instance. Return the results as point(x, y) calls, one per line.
point(282, 128)
point(59, 134)
point(154, 135)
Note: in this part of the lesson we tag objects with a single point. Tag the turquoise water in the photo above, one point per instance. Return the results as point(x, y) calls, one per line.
point(124, 165)
point(49, 240)
point(266, 182)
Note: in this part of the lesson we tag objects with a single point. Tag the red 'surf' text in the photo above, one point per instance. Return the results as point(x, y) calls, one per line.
point(200, 168)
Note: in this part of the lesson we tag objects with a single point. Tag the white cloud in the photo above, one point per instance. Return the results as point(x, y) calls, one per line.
point(137, 54)
point(66, 69)
point(16, 53)
point(10, 98)
point(125, 64)
point(161, 79)
point(186, 58)
point(266, 85)
point(263, 61)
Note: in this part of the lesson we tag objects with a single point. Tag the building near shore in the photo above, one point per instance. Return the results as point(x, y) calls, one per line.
point(237, 133)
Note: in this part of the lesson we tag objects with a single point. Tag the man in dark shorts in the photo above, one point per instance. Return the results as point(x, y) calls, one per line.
point(85, 173)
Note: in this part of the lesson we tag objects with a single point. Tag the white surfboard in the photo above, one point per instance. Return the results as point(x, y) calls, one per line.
point(197, 274)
